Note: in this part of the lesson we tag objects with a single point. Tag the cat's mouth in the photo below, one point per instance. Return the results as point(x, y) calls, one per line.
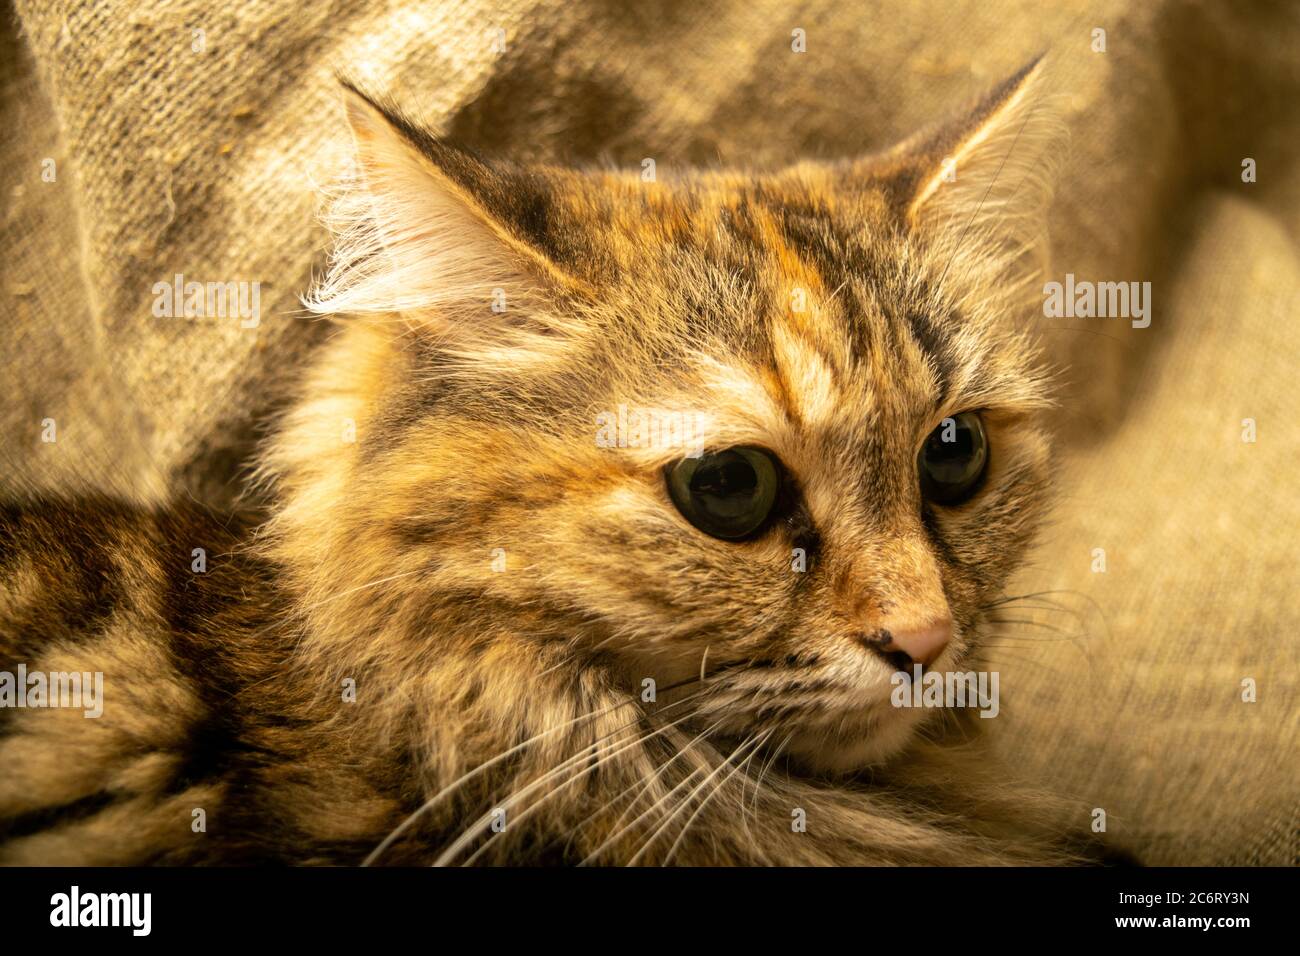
point(826, 709)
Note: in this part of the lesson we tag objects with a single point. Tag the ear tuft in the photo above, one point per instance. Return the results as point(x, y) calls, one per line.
point(979, 187)
point(990, 157)
point(409, 236)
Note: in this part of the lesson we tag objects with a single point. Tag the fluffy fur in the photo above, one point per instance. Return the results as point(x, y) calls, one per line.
point(449, 536)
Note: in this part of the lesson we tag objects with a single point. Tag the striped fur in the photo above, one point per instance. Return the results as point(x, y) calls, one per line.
point(448, 535)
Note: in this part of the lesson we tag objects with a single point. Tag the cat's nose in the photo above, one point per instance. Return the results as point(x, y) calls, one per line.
point(915, 644)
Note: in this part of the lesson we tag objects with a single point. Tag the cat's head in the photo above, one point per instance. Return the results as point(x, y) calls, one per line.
point(776, 429)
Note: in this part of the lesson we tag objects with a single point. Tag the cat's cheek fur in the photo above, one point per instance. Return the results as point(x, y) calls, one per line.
point(873, 745)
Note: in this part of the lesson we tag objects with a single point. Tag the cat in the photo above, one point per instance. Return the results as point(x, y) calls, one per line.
point(465, 630)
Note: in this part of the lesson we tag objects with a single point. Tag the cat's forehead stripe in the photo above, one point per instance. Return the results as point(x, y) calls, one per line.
point(874, 314)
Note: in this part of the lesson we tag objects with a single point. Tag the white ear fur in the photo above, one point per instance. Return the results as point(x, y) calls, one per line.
point(1012, 128)
point(406, 238)
point(1005, 168)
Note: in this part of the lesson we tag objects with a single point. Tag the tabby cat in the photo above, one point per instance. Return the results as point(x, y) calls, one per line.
point(469, 630)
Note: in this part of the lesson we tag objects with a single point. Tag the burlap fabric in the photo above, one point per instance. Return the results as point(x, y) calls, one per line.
point(188, 138)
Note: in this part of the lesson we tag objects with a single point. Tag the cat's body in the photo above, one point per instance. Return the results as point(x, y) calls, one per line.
point(206, 711)
point(470, 632)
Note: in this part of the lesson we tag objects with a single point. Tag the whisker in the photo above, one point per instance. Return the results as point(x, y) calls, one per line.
point(677, 811)
point(770, 761)
point(533, 808)
point(1043, 625)
point(647, 784)
point(1055, 671)
point(618, 833)
point(472, 831)
point(1054, 591)
point(1041, 605)
point(756, 742)
point(488, 764)
point(1065, 635)
point(1076, 640)
point(481, 768)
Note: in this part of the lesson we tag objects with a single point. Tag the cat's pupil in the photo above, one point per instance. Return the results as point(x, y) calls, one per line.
point(949, 459)
point(953, 459)
point(729, 485)
point(727, 494)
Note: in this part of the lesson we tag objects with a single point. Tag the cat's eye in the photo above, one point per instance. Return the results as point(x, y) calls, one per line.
point(953, 459)
point(727, 494)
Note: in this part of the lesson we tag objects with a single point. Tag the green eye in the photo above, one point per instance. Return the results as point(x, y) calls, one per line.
point(953, 459)
point(726, 494)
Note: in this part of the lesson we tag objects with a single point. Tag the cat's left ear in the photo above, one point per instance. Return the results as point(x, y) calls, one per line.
point(986, 176)
point(426, 228)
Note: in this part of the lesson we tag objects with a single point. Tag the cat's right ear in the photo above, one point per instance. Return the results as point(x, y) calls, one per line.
point(428, 229)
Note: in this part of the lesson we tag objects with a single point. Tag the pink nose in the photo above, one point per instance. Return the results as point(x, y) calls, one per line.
point(922, 644)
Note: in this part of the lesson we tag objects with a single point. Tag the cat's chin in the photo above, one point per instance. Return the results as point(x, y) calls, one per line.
point(820, 753)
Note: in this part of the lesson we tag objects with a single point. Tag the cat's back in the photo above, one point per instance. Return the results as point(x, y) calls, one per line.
point(123, 640)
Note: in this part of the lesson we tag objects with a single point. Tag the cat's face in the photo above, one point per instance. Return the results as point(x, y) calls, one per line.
point(772, 431)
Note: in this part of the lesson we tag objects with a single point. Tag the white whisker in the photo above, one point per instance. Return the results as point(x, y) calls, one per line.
point(472, 830)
